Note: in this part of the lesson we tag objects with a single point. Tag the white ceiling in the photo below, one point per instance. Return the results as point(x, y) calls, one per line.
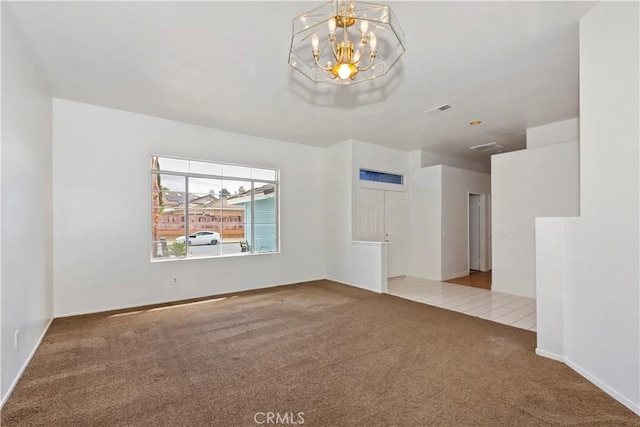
point(512, 65)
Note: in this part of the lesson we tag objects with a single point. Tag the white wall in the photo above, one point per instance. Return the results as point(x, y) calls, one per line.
point(601, 307)
point(526, 184)
point(550, 287)
point(428, 158)
point(438, 248)
point(26, 233)
point(425, 223)
point(360, 264)
point(456, 186)
point(379, 158)
point(102, 205)
point(549, 251)
point(554, 133)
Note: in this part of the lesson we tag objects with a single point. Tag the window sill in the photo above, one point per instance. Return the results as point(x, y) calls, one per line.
point(191, 258)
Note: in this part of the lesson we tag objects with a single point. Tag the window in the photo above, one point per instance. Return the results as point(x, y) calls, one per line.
point(389, 178)
point(204, 209)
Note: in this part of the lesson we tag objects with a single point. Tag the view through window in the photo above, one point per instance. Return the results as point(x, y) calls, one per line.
point(203, 209)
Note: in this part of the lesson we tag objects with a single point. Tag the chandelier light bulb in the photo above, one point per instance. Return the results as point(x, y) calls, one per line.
point(344, 71)
point(332, 25)
point(314, 42)
point(364, 26)
point(373, 41)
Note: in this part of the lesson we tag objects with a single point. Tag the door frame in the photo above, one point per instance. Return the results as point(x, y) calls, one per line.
point(484, 232)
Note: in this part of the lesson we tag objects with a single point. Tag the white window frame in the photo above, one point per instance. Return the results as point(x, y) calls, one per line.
point(188, 175)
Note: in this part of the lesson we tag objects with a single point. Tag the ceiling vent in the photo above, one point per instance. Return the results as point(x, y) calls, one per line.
point(490, 146)
point(443, 107)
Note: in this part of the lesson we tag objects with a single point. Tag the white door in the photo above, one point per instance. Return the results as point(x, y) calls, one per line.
point(475, 217)
point(395, 224)
point(371, 215)
point(382, 218)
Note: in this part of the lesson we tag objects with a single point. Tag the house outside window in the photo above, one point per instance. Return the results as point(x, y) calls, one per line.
point(206, 209)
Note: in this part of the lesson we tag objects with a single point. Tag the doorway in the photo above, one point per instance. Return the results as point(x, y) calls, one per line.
point(477, 233)
point(382, 218)
point(474, 232)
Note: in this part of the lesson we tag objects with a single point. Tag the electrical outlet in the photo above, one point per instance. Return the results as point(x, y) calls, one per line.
point(175, 280)
point(16, 339)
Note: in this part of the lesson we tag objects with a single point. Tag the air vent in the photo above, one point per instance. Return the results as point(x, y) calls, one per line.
point(443, 107)
point(490, 146)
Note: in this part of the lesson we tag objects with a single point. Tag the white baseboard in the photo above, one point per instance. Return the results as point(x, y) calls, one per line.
point(355, 286)
point(58, 315)
point(450, 276)
point(24, 366)
point(507, 290)
point(549, 355)
point(635, 407)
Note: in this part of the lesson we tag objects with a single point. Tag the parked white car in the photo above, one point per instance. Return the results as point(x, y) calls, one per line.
point(201, 238)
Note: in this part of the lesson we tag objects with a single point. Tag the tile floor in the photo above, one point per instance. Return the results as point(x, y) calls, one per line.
point(512, 310)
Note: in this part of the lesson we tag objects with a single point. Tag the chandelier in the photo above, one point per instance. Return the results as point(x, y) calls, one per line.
point(346, 42)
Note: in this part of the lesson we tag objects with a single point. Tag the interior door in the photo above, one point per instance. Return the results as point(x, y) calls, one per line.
point(382, 217)
point(394, 229)
point(371, 215)
point(474, 231)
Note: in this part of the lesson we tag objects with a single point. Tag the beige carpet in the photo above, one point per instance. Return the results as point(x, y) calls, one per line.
point(339, 355)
